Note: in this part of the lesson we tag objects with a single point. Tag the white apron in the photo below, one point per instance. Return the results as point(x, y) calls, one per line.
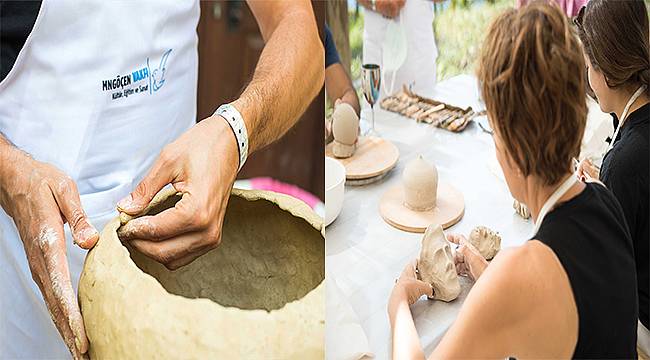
point(97, 90)
point(419, 68)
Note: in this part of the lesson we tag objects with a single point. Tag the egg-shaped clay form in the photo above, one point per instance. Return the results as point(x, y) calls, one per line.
point(420, 181)
point(345, 129)
point(258, 295)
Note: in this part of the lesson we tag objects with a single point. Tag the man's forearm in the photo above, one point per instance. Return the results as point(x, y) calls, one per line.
point(289, 74)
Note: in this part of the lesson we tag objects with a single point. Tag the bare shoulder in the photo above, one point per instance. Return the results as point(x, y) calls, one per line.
point(522, 306)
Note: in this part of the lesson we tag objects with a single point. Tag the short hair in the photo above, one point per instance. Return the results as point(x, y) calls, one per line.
point(532, 79)
point(615, 38)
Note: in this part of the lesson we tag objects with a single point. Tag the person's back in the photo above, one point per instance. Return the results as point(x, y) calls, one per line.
point(616, 42)
point(589, 236)
point(625, 172)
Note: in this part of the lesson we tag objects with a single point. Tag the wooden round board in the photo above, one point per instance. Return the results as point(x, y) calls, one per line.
point(374, 156)
point(361, 182)
point(450, 207)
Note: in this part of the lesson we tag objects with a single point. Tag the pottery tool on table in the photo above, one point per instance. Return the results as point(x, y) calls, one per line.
point(429, 111)
point(373, 158)
point(421, 200)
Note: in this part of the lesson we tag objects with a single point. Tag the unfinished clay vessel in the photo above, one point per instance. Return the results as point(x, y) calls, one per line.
point(259, 295)
point(436, 264)
point(420, 180)
point(345, 129)
point(486, 241)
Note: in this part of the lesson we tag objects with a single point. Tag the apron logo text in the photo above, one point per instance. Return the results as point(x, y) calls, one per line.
point(126, 84)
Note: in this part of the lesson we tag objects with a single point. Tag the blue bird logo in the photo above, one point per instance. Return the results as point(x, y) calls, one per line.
point(158, 75)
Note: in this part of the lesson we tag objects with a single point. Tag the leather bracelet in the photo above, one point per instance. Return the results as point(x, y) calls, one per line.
point(238, 127)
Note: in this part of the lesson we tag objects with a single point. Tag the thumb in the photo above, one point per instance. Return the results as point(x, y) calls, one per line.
point(159, 176)
point(424, 288)
point(456, 239)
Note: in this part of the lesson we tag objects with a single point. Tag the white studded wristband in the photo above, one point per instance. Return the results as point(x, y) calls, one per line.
point(236, 122)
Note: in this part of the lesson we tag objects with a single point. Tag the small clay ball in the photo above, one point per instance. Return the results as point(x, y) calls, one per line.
point(420, 180)
point(345, 124)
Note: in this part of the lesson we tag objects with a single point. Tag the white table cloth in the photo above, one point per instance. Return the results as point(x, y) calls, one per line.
point(364, 254)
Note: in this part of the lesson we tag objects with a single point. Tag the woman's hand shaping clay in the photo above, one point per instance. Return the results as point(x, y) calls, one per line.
point(408, 288)
point(40, 199)
point(468, 260)
point(202, 165)
point(587, 170)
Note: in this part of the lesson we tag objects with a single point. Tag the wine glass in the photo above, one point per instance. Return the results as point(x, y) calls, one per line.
point(370, 83)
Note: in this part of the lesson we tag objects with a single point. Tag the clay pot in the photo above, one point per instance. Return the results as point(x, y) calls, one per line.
point(260, 294)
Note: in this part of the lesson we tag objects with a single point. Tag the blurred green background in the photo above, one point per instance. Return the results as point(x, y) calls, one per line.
point(459, 26)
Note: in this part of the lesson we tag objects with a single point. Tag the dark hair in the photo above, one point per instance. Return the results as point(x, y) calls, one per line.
point(615, 38)
point(531, 71)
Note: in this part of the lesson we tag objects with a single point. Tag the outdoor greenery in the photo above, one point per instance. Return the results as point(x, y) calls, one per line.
point(459, 27)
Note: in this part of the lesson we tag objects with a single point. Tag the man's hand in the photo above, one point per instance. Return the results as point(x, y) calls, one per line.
point(389, 8)
point(201, 164)
point(40, 199)
point(468, 260)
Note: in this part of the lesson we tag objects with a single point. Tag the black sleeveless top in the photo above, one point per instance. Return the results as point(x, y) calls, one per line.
point(589, 235)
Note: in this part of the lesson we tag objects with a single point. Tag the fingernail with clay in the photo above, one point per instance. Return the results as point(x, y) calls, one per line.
point(87, 234)
point(126, 203)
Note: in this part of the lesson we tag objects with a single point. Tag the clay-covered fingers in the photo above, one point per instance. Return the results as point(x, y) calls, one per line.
point(56, 265)
point(67, 198)
point(587, 170)
point(456, 239)
point(181, 218)
point(160, 174)
point(461, 265)
point(415, 289)
point(49, 266)
point(176, 252)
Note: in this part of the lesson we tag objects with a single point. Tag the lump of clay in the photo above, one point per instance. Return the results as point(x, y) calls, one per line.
point(345, 129)
point(521, 209)
point(259, 295)
point(486, 241)
point(420, 180)
point(436, 265)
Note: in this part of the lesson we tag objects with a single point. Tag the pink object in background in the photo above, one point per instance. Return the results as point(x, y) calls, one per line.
point(570, 7)
point(266, 183)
